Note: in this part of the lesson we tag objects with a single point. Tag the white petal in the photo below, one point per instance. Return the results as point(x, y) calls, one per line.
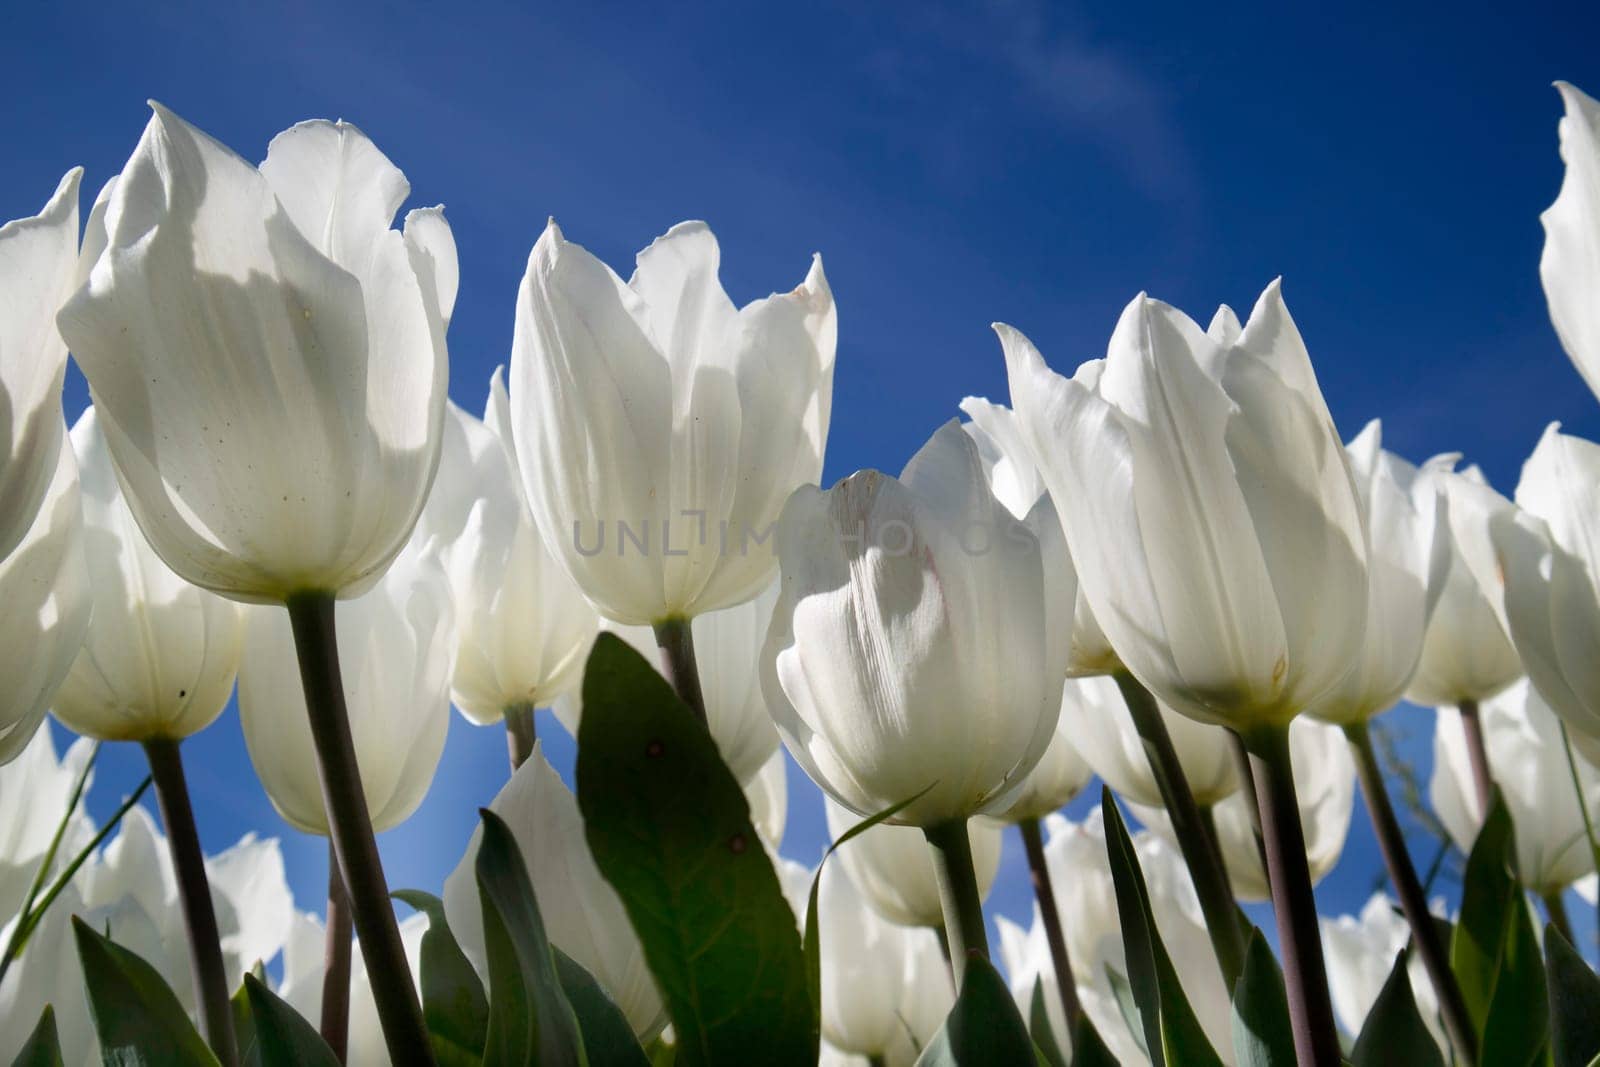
point(1570, 265)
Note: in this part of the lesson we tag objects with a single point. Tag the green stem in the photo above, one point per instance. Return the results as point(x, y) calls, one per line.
point(1247, 787)
point(1556, 909)
point(350, 828)
point(877, 1059)
point(1197, 845)
point(1413, 898)
point(1055, 937)
point(675, 639)
point(1316, 1037)
point(335, 1022)
point(1477, 754)
point(1583, 807)
point(194, 896)
point(520, 734)
point(958, 893)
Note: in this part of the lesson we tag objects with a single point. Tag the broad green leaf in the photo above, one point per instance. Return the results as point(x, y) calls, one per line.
point(1126, 1007)
point(1262, 1033)
point(670, 829)
point(281, 1036)
point(1088, 1049)
point(1044, 1038)
point(1574, 1003)
point(984, 1026)
point(1172, 1032)
point(137, 1018)
point(530, 1020)
point(43, 1048)
point(662, 1053)
point(244, 1028)
point(607, 1038)
point(1394, 1031)
point(453, 1002)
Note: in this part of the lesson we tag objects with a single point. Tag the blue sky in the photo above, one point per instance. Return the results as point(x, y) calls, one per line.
point(1038, 164)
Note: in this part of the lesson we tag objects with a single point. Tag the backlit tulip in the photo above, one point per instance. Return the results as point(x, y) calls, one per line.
point(523, 628)
point(1214, 520)
point(768, 795)
point(397, 646)
point(1529, 764)
point(863, 982)
point(1361, 951)
point(160, 656)
point(1466, 654)
point(582, 914)
point(1061, 773)
point(910, 650)
point(1325, 781)
point(34, 791)
point(267, 356)
point(893, 870)
point(1570, 266)
point(727, 648)
point(1547, 552)
point(1409, 550)
point(660, 429)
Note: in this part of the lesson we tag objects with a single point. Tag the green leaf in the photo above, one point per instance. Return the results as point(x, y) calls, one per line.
point(244, 1028)
point(1126, 1007)
point(1172, 1032)
point(983, 1027)
point(1262, 1033)
point(670, 829)
point(1088, 1049)
point(453, 1003)
point(1495, 953)
point(1044, 1038)
point(662, 1053)
point(281, 1036)
point(1574, 1003)
point(530, 1021)
point(137, 1018)
point(1394, 1031)
point(43, 1048)
point(607, 1038)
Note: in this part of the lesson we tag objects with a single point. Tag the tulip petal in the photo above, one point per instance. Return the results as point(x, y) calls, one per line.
point(1570, 264)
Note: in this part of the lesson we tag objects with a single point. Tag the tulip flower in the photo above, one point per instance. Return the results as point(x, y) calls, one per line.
point(892, 870)
point(1219, 539)
point(1061, 773)
point(1324, 774)
point(1103, 730)
point(727, 646)
point(35, 790)
point(582, 914)
point(267, 358)
point(1529, 763)
point(1570, 266)
point(862, 982)
point(768, 796)
point(303, 986)
point(1361, 951)
point(523, 629)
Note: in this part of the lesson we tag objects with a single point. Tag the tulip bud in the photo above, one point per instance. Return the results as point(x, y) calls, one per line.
point(396, 647)
point(582, 914)
point(892, 867)
point(160, 655)
point(1570, 265)
point(1101, 727)
point(659, 428)
point(1361, 951)
point(863, 982)
point(267, 356)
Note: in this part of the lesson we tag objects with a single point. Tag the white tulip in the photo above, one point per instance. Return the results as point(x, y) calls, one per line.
point(892, 866)
point(659, 428)
point(863, 982)
point(1102, 729)
point(38, 268)
point(303, 961)
point(523, 629)
point(1061, 773)
point(1466, 654)
point(768, 796)
point(160, 656)
point(1547, 552)
point(1409, 551)
point(45, 604)
point(1325, 785)
point(396, 647)
point(727, 649)
point(910, 651)
point(582, 914)
point(1361, 951)
point(267, 356)
point(1529, 764)
point(1570, 266)
point(1214, 519)
point(34, 791)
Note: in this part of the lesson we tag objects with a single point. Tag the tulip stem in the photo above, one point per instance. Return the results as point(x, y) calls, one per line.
point(520, 734)
point(675, 639)
point(1583, 806)
point(1199, 847)
point(877, 1059)
point(1477, 754)
point(1316, 1038)
point(1247, 785)
point(958, 893)
point(350, 830)
point(1044, 893)
point(194, 895)
point(1413, 898)
point(1556, 909)
point(336, 963)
